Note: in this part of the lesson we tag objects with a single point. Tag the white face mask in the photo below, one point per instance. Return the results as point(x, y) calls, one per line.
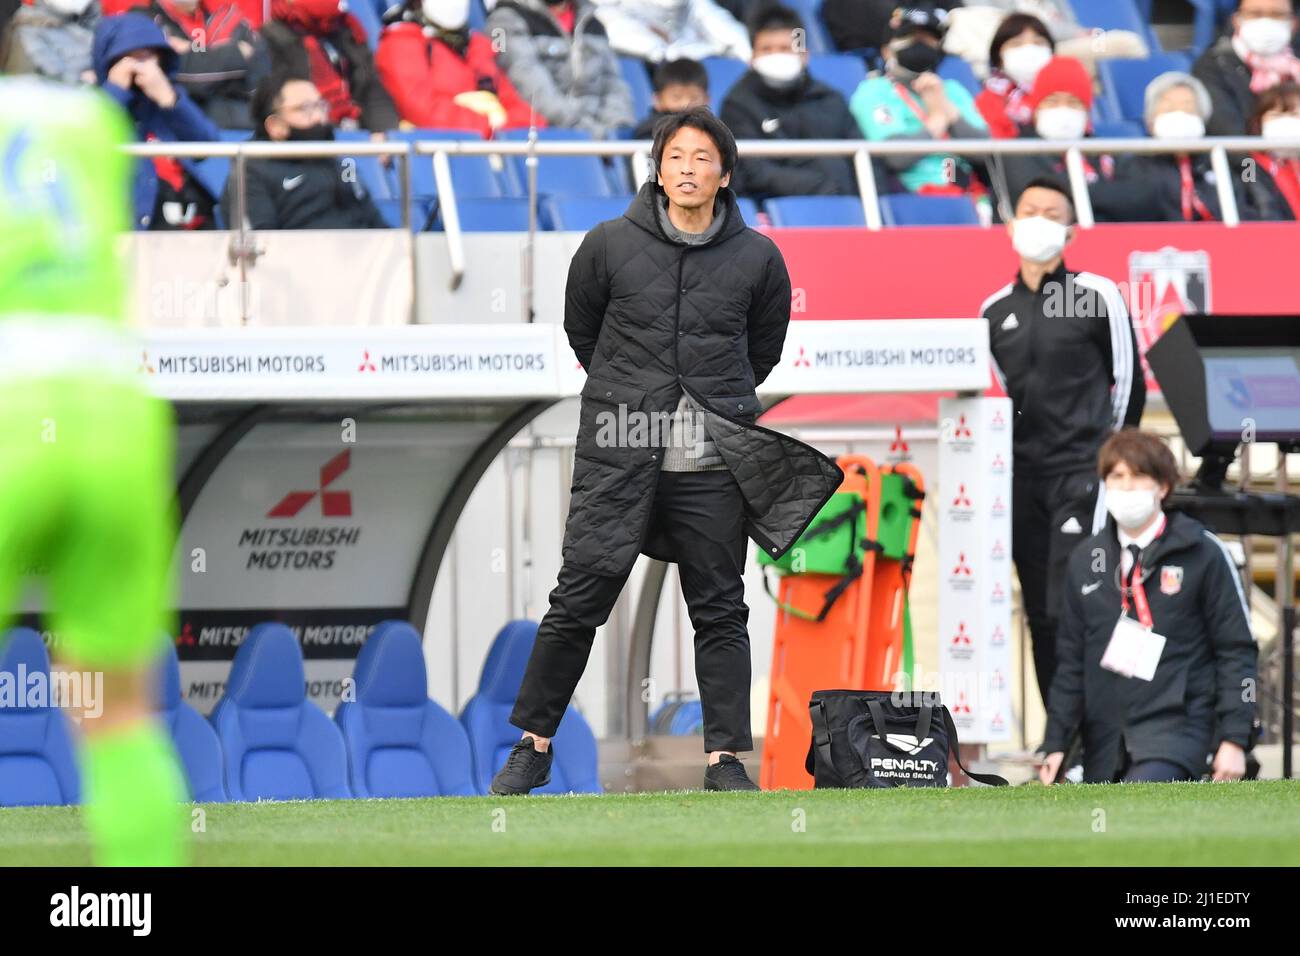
point(1022, 63)
point(1177, 125)
point(1061, 122)
point(446, 14)
point(1281, 127)
point(69, 8)
point(1133, 507)
point(1038, 239)
point(1265, 36)
point(779, 69)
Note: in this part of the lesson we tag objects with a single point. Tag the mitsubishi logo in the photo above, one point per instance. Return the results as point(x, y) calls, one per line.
point(333, 504)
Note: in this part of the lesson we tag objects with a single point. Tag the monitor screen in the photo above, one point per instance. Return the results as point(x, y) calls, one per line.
point(1252, 391)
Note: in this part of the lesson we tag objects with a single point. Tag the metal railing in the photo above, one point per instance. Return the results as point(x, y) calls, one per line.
point(861, 153)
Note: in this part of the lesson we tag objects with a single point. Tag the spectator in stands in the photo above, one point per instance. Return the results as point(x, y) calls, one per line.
point(136, 66)
point(558, 57)
point(678, 85)
point(1021, 47)
point(1256, 56)
point(442, 74)
point(51, 38)
point(1166, 187)
point(1064, 350)
point(1060, 99)
point(316, 40)
point(776, 99)
point(298, 193)
point(1173, 579)
point(909, 101)
point(660, 30)
point(1272, 185)
point(858, 25)
point(222, 58)
point(972, 27)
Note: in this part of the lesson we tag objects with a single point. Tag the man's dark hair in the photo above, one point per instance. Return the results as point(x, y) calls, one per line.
point(773, 16)
point(701, 118)
point(683, 72)
point(1143, 452)
point(1010, 28)
point(1047, 182)
point(267, 98)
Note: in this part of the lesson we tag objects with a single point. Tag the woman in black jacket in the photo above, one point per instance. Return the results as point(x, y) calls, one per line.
point(1183, 606)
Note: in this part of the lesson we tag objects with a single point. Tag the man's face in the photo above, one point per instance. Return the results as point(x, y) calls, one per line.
point(301, 107)
point(1258, 9)
point(690, 171)
point(676, 97)
point(777, 41)
point(1124, 478)
point(1061, 99)
point(1047, 203)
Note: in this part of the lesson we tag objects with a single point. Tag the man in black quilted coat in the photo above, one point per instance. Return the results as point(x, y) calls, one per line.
point(677, 311)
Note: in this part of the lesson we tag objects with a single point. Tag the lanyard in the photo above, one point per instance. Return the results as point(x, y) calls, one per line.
point(1191, 201)
point(914, 106)
point(1139, 593)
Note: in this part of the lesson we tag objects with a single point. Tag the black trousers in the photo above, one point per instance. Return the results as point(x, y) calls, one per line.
point(1049, 517)
point(698, 519)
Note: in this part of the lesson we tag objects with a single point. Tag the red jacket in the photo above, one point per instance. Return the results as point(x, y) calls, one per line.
point(423, 74)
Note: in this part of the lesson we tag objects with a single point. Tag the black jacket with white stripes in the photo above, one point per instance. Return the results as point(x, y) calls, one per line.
point(1067, 357)
point(1203, 689)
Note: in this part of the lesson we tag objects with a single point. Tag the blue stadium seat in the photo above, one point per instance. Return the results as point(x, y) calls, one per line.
point(839, 71)
point(955, 68)
point(195, 740)
point(819, 40)
point(477, 15)
point(473, 177)
point(723, 72)
point(38, 765)
point(580, 213)
point(1115, 15)
point(1206, 21)
point(276, 744)
point(486, 718)
point(399, 742)
point(503, 214)
point(1124, 83)
point(638, 82)
point(559, 175)
point(909, 209)
point(1118, 129)
point(369, 12)
point(748, 210)
point(377, 180)
point(786, 211)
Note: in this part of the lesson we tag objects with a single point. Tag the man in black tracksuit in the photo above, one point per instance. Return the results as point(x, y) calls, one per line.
point(1064, 349)
point(298, 193)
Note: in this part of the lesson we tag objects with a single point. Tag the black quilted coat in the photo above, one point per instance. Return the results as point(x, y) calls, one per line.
point(648, 317)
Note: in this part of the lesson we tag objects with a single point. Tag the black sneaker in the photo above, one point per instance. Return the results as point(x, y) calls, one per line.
point(525, 769)
point(728, 774)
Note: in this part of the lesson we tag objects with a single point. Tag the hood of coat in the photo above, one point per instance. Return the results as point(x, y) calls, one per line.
point(117, 36)
point(541, 20)
point(642, 212)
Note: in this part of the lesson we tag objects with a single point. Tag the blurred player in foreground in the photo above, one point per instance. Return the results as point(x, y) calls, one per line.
point(86, 453)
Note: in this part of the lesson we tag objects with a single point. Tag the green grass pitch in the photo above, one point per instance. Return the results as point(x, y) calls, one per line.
point(1147, 824)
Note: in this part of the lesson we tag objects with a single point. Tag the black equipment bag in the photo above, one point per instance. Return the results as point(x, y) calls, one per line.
point(881, 738)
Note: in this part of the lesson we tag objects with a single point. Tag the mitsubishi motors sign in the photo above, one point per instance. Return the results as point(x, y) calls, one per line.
point(302, 526)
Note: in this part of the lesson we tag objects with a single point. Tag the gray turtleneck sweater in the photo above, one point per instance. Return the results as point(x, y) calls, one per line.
point(689, 446)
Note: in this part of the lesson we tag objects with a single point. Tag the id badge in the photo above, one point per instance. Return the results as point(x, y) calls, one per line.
point(1133, 651)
